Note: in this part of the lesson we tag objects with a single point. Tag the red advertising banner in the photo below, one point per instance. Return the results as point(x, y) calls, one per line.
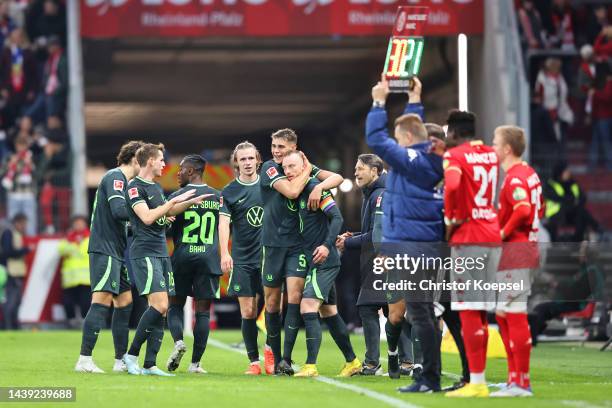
point(199, 18)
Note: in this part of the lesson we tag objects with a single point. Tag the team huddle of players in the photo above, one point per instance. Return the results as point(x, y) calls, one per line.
point(284, 224)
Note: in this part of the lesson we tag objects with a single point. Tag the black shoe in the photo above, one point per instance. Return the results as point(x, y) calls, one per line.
point(367, 369)
point(284, 368)
point(406, 368)
point(455, 386)
point(420, 385)
point(393, 366)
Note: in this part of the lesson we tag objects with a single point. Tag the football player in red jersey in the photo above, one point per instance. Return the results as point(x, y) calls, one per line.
point(470, 178)
point(521, 205)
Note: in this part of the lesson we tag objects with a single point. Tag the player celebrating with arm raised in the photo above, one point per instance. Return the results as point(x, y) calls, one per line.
point(109, 279)
point(195, 262)
point(521, 205)
point(319, 230)
point(470, 179)
point(149, 259)
point(242, 210)
point(282, 256)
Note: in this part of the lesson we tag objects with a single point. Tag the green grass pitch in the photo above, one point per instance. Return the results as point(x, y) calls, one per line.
point(562, 376)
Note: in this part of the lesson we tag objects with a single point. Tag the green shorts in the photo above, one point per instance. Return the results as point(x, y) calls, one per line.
point(280, 263)
point(320, 283)
point(245, 281)
point(108, 274)
point(153, 274)
point(195, 280)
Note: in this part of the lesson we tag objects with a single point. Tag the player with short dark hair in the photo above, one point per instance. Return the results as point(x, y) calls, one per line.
point(242, 213)
point(109, 279)
point(149, 259)
point(283, 261)
point(470, 178)
point(195, 262)
point(521, 205)
point(319, 229)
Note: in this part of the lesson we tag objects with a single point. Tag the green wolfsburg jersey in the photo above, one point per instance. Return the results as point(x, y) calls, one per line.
point(315, 225)
point(242, 203)
point(149, 240)
point(195, 231)
point(280, 224)
point(108, 235)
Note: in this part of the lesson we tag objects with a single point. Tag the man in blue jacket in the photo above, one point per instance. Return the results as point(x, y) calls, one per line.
point(370, 177)
point(413, 213)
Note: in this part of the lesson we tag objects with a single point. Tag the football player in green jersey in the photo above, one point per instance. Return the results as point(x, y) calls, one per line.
point(195, 262)
point(242, 211)
point(283, 260)
point(151, 265)
point(319, 229)
point(109, 278)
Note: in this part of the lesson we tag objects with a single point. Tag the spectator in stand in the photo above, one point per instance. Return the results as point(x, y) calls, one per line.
point(561, 31)
point(6, 22)
point(531, 26)
point(551, 96)
point(566, 206)
point(75, 270)
point(50, 105)
point(598, 19)
point(601, 99)
point(586, 72)
point(12, 257)
point(53, 175)
point(46, 19)
point(18, 180)
point(603, 43)
point(18, 77)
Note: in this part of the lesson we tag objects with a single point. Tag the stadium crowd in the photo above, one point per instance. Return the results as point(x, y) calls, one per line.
point(34, 146)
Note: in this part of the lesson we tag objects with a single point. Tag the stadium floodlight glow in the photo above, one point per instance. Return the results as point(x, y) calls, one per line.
point(463, 73)
point(346, 185)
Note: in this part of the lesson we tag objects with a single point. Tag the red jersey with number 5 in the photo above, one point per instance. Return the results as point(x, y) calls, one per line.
point(471, 205)
point(521, 187)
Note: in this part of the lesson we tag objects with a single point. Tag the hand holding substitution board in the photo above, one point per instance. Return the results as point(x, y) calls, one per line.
point(405, 47)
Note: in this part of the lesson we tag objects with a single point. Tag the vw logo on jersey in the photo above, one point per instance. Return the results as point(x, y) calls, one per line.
point(255, 216)
point(292, 205)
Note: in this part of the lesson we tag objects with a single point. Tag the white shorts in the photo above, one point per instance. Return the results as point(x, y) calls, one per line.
point(514, 300)
point(475, 299)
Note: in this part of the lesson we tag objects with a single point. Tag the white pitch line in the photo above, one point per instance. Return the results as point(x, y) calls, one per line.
point(394, 402)
point(580, 404)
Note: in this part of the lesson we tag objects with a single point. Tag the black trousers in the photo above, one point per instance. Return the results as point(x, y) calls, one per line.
point(76, 296)
point(453, 322)
point(544, 312)
point(10, 309)
point(424, 323)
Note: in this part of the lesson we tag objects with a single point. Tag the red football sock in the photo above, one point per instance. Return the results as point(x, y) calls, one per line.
point(475, 335)
point(520, 342)
point(505, 335)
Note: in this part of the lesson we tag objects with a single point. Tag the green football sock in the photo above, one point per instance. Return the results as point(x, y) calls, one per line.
point(249, 334)
point(201, 329)
point(337, 329)
point(94, 322)
point(154, 343)
point(313, 336)
point(120, 326)
point(273, 328)
point(292, 326)
point(148, 322)
point(175, 322)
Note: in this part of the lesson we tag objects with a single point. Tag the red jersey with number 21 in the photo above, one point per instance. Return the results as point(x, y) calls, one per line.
point(472, 203)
